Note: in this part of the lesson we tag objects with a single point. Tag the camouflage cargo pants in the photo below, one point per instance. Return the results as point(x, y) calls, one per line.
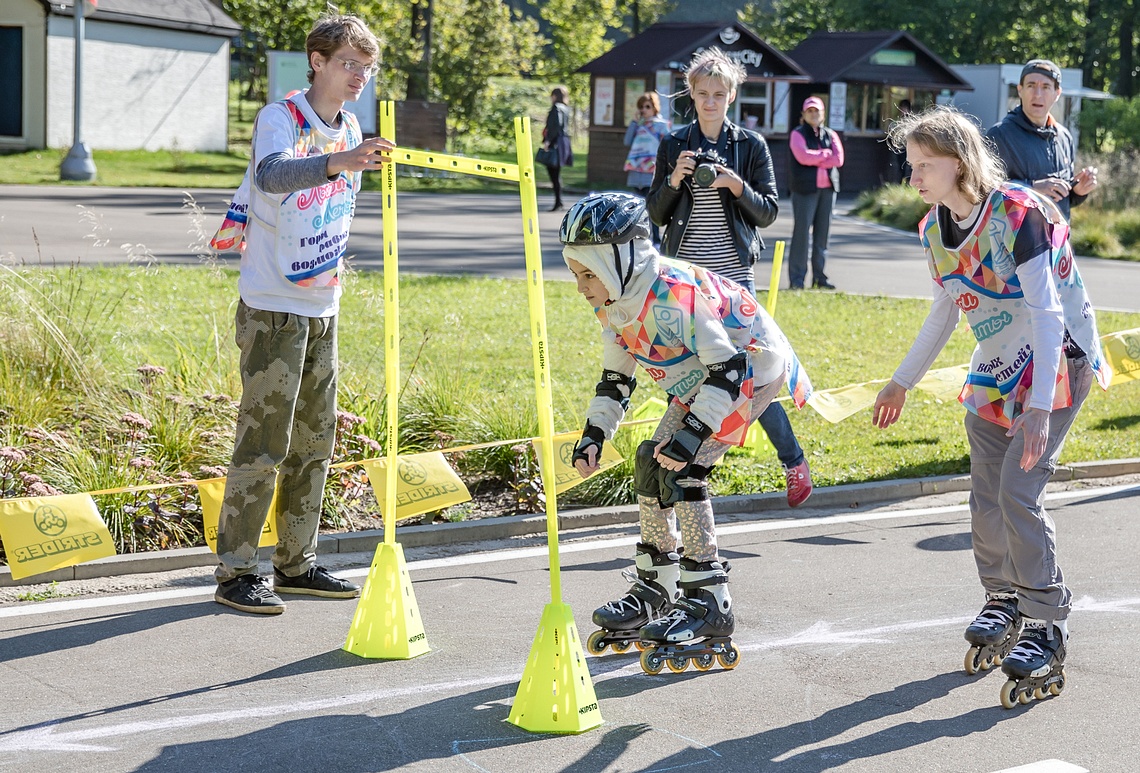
point(285, 431)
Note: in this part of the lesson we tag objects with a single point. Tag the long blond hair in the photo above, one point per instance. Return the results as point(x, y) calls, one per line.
point(943, 131)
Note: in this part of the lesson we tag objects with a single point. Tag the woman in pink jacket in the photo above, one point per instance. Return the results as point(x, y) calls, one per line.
point(817, 154)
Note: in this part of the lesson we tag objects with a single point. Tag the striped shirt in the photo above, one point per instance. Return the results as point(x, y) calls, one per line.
point(708, 240)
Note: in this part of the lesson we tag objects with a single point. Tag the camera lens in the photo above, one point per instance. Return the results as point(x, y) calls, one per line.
point(704, 175)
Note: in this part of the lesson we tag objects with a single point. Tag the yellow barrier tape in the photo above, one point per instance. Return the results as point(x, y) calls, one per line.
point(565, 474)
point(1122, 350)
point(45, 533)
point(426, 482)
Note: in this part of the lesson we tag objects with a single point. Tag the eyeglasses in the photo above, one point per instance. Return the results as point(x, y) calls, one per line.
point(356, 68)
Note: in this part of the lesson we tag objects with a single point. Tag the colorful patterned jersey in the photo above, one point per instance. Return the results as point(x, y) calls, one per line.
point(663, 339)
point(981, 278)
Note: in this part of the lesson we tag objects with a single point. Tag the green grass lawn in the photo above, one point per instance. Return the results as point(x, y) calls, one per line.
point(466, 362)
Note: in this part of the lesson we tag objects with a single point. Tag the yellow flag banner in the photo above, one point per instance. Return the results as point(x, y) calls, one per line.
point(45, 533)
point(424, 482)
point(565, 476)
point(211, 491)
point(1122, 350)
point(944, 383)
point(756, 443)
point(835, 405)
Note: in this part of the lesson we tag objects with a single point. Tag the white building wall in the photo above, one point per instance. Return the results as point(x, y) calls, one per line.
point(142, 87)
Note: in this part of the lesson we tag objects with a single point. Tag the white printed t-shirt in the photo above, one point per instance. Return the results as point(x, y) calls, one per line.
point(295, 241)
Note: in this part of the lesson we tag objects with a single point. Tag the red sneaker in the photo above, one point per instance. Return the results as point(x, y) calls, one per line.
point(799, 483)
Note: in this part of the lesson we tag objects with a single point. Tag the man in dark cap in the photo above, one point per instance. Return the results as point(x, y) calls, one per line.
point(1039, 152)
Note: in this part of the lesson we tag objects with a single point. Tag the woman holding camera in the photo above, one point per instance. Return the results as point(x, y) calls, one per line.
point(713, 190)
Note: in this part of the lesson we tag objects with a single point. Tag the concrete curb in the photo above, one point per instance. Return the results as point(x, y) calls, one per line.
point(761, 506)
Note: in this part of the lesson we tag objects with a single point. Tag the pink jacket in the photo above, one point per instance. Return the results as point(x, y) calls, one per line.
point(822, 158)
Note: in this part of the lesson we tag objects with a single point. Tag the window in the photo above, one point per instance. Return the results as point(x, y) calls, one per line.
point(753, 106)
point(872, 108)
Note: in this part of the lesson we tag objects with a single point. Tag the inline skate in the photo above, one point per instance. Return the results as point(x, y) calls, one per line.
point(993, 633)
point(651, 595)
point(699, 628)
point(1036, 664)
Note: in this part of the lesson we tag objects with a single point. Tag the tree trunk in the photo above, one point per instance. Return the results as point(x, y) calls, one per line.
point(1125, 83)
point(419, 77)
point(1089, 50)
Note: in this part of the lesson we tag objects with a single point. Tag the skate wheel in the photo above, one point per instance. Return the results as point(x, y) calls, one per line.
point(1008, 697)
point(677, 665)
point(729, 659)
point(594, 644)
point(971, 663)
point(986, 664)
point(643, 646)
point(1024, 697)
point(1059, 685)
point(651, 662)
point(1041, 693)
point(620, 646)
point(704, 662)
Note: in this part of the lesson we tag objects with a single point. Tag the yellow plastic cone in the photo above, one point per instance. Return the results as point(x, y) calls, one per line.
point(556, 694)
point(387, 622)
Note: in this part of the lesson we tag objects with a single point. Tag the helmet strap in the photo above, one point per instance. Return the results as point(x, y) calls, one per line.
point(617, 266)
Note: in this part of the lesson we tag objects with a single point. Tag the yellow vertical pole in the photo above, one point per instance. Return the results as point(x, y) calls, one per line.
point(387, 621)
point(555, 694)
point(774, 282)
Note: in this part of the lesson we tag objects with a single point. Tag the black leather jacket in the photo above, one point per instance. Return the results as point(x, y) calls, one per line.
point(756, 207)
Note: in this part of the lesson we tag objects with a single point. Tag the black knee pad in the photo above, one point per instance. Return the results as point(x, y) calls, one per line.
point(646, 471)
point(682, 487)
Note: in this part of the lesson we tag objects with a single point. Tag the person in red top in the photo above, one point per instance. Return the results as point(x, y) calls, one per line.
point(816, 155)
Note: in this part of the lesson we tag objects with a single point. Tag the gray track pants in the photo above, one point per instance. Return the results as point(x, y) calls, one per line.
point(1014, 539)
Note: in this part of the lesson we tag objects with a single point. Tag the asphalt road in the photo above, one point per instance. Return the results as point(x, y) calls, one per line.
point(850, 626)
point(439, 234)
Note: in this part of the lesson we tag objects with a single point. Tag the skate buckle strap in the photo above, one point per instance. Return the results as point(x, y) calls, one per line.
point(685, 605)
point(1035, 642)
point(704, 582)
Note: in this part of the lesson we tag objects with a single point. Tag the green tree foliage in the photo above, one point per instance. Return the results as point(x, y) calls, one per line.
point(1099, 36)
point(474, 41)
point(272, 25)
point(1111, 125)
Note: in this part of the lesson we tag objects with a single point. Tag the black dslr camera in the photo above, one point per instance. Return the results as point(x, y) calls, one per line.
point(706, 171)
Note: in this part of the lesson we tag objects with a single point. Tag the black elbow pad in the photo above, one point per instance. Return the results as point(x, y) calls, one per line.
point(729, 375)
point(616, 386)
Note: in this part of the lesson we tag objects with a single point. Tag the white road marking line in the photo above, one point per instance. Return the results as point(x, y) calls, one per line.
point(514, 554)
point(46, 738)
point(1046, 766)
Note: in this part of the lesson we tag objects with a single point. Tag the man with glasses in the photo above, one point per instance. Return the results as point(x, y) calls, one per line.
point(1038, 152)
point(305, 171)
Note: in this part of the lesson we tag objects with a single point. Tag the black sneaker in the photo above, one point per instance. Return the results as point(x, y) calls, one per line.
point(823, 284)
point(249, 593)
point(315, 582)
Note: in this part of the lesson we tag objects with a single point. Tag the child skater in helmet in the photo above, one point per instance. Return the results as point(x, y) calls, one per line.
point(708, 342)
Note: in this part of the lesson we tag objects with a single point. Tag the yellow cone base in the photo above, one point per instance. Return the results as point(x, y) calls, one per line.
point(556, 694)
point(387, 622)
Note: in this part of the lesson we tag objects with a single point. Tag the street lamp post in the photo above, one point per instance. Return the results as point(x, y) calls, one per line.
point(78, 165)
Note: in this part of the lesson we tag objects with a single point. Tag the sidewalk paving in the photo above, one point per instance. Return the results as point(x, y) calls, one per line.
point(771, 505)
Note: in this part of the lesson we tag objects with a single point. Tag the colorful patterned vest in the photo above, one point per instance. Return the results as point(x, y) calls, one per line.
point(981, 278)
point(663, 339)
point(312, 225)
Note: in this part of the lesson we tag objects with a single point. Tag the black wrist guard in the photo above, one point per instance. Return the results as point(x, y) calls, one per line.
point(682, 447)
point(592, 437)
